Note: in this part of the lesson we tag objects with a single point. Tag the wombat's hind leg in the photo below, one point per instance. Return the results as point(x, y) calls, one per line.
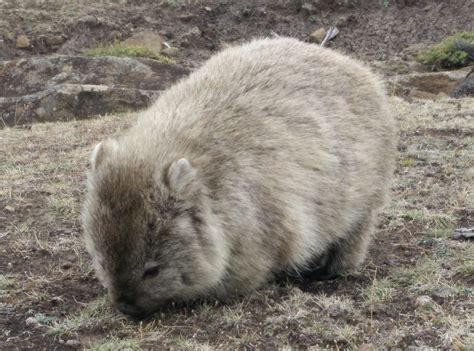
point(344, 255)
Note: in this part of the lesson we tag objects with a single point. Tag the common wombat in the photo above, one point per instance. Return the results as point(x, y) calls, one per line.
point(273, 157)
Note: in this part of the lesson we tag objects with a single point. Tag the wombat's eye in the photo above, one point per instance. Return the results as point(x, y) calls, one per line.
point(151, 272)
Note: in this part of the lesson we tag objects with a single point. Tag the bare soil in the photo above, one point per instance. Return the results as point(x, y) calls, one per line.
point(416, 287)
point(368, 29)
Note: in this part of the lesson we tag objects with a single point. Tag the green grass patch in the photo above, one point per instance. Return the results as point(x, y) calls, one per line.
point(380, 291)
point(125, 50)
point(407, 162)
point(449, 53)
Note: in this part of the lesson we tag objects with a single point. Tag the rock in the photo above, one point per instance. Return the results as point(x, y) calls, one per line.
point(9, 208)
point(465, 88)
point(317, 36)
point(192, 34)
point(41, 89)
point(191, 38)
point(146, 39)
point(22, 42)
point(463, 233)
point(73, 343)
point(308, 9)
point(31, 321)
point(55, 40)
point(424, 301)
point(171, 52)
point(186, 17)
point(60, 77)
point(207, 8)
point(443, 292)
point(344, 20)
point(88, 20)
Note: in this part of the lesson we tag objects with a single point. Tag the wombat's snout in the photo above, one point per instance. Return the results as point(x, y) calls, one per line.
point(126, 304)
point(130, 310)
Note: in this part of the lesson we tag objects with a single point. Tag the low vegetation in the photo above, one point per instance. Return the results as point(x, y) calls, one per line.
point(414, 290)
point(454, 52)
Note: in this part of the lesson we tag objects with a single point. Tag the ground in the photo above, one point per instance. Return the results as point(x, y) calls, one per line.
point(416, 287)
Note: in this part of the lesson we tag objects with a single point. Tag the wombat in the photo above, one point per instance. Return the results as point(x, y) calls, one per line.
point(274, 156)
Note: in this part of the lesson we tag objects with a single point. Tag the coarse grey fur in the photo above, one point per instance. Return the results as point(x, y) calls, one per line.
point(272, 156)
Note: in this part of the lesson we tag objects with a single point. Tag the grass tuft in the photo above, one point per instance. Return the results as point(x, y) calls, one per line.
point(450, 53)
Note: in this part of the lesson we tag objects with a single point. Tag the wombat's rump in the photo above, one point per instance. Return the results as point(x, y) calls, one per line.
point(273, 157)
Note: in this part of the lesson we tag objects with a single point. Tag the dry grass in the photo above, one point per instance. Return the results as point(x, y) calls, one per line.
point(414, 290)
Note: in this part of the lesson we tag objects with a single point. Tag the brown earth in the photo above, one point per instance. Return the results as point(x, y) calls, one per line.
point(368, 29)
point(416, 287)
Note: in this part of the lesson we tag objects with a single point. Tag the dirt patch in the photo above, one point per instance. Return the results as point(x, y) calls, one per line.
point(53, 88)
point(369, 29)
point(434, 85)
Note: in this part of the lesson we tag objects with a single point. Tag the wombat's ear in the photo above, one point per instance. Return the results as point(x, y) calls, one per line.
point(180, 174)
point(101, 152)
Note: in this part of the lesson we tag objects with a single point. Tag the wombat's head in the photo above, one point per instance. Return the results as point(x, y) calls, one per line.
point(149, 230)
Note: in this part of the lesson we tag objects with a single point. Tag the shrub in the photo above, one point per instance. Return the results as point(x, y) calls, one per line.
point(450, 53)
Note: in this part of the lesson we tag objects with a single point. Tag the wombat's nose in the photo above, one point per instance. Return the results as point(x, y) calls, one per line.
point(126, 298)
point(130, 310)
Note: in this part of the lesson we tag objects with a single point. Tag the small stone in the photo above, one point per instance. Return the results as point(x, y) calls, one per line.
point(344, 20)
point(189, 37)
point(443, 292)
point(308, 9)
point(22, 42)
point(67, 69)
point(9, 208)
point(317, 36)
point(366, 347)
point(60, 77)
point(424, 301)
point(31, 321)
point(40, 111)
point(171, 52)
point(186, 17)
point(87, 19)
point(55, 40)
point(195, 32)
point(73, 342)
point(207, 8)
point(147, 39)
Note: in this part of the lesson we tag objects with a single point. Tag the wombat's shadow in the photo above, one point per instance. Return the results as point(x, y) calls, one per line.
point(281, 287)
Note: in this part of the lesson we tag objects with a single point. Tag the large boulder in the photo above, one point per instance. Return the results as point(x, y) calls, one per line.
point(70, 87)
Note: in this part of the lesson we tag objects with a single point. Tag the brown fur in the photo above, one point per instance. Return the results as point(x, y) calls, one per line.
point(272, 156)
